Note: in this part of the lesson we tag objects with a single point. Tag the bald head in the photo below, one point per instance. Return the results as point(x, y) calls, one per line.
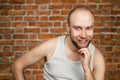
point(81, 13)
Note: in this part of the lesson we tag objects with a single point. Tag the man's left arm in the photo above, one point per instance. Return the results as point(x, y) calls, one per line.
point(98, 65)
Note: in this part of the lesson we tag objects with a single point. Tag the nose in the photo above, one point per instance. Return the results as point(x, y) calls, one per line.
point(83, 34)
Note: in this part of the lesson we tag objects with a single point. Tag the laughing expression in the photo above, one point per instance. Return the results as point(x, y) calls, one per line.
point(81, 28)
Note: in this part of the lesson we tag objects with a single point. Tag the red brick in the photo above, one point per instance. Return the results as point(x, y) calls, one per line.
point(118, 42)
point(38, 72)
point(108, 36)
point(31, 47)
point(16, 12)
point(80, 1)
point(60, 18)
point(54, 6)
point(118, 30)
point(17, 1)
point(111, 66)
point(30, 13)
point(57, 24)
point(18, 18)
point(46, 36)
point(98, 24)
point(7, 36)
point(3, 1)
point(68, 6)
point(6, 48)
point(34, 66)
point(115, 1)
point(68, 1)
point(29, 1)
point(4, 12)
point(108, 42)
point(44, 18)
point(43, 7)
point(117, 49)
point(95, 1)
point(117, 60)
point(108, 60)
point(19, 42)
point(42, 1)
point(19, 48)
point(98, 36)
point(97, 30)
point(44, 30)
point(30, 7)
point(40, 77)
point(44, 12)
point(65, 12)
point(115, 12)
point(31, 42)
point(57, 30)
point(44, 24)
point(27, 72)
point(32, 36)
point(116, 36)
point(32, 30)
point(64, 1)
point(4, 60)
point(20, 36)
point(6, 7)
point(55, 12)
point(105, 6)
point(17, 7)
point(117, 24)
point(108, 55)
point(31, 18)
point(6, 54)
point(56, 1)
point(19, 24)
point(29, 77)
point(6, 31)
point(6, 42)
point(4, 71)
point(19, 30)
point(6, 77)
point(32, 23)
point(109, 48)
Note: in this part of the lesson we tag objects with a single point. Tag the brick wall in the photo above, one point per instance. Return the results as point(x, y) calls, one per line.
point(26, 23)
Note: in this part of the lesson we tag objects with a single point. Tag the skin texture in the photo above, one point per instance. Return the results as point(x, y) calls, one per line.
point(80, 34)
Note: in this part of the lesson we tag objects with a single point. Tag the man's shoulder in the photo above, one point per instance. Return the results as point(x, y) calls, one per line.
point(98, 54)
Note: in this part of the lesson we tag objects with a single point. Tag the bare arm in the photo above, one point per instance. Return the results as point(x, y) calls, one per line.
point(30, 58)
point(99, 66)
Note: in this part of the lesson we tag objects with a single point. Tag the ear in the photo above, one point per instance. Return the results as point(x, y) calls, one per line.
point(67, 28)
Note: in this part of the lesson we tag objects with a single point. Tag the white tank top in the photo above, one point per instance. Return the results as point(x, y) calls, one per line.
point(59, 67)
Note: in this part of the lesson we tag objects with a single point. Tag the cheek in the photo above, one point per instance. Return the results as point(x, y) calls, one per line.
point(90, 33)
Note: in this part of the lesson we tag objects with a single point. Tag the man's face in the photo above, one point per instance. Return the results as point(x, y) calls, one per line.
point(81, 28)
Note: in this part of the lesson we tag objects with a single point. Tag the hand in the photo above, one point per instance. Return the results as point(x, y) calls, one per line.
point(85, 57)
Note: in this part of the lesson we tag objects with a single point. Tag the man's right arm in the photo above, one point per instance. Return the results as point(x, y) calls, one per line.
point(30, 58)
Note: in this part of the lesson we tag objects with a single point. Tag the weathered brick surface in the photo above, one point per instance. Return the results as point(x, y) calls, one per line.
point(26, 23)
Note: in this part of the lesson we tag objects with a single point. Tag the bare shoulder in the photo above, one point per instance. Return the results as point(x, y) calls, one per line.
point(98, 54)
point(49, 46)
point(98, 58)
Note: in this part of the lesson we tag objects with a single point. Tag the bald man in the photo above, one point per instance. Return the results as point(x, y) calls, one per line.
point(69, 57)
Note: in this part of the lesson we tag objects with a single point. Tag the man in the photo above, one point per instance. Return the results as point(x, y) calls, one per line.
point(70, 57)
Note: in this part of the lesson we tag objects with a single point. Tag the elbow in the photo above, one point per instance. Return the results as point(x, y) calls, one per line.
point(16, 67)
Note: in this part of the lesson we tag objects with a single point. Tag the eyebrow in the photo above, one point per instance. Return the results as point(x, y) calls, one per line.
point(81, 26)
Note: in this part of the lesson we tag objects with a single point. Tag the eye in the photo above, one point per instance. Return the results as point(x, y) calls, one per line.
point(89, 28)
point(77, 28)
